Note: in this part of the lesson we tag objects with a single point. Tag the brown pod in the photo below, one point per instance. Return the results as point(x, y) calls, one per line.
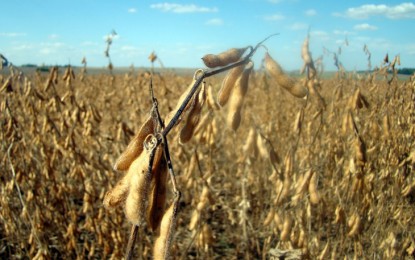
point(286, 228)
point(163, 242)
point(237, 98)
point(360, 151)
point(270, 217)
point(312, 189)
point(158, 190)
point(66, 74)
point(210, 99)
point(135, 147)
point(135, 204)
point(296, 88)
point(182, 98)
point(193, 116)
point(228, 85)
point(250, 148)
point(118, 194)
point(356, 225)
point(224, 58)
point(305, 52)
point(7, 85)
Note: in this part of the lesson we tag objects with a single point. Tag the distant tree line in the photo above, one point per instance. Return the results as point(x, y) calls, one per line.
point(406, 71)
point(43, 67)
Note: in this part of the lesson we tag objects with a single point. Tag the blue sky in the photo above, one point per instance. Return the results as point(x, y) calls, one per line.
point(181, 32)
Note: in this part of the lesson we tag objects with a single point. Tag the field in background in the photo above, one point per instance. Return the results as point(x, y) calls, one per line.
point(59, 142)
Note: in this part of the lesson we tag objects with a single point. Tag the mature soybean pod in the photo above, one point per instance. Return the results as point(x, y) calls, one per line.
point(305, 52)
point(118, 194)
point(296, 88)
point(135, 147)
point(228, 84)
point(286, 228)
point(312, 189)
point(135, 204)
point(158, 190)
point(224, 58)
point(163, 242)
point(182, 98)
point(193, 116)
point(237, 98)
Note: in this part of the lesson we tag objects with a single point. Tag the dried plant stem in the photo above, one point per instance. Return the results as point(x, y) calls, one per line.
point(131, 242)
point(170, 167)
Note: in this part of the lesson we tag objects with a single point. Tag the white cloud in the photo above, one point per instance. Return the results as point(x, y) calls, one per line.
point(130, 50)
point(23, 47)
point(298, 26)
point(339, 32)
point(319, 33)
point(132, 10)
point(274, 17)
point(53, 36)
point(339, 42)
point(11, 34)
point(52, 44)
point(322, 35)
point(365, 27)
point(47, 51)
point(215, 21)
point(180, 8)
point(401, 11)
point(310, 12)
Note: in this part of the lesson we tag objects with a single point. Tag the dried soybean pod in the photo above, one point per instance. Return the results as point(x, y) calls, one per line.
point(228, 84)
point(299, 121)
point(296, 88)
point(312, 189)
point(224, 58)
point(355, 224)
point(66, 74)
point(158, 190)
point(286, 228)
point(7, 85)
point(210, 99)
point(270, 217)
point(163, 242)
point(135, 147)
point(136, 201)
point(170, 116)
point(263, 147)
point(305, 52)
point(118, 194)
point(236, 102)
point(250, 148)
point(360, 151)
point(193, 116)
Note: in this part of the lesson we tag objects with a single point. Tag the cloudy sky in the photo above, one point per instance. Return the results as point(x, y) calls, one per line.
point(181, 32)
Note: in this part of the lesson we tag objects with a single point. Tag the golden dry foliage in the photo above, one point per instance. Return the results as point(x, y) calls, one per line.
point(346, 188)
